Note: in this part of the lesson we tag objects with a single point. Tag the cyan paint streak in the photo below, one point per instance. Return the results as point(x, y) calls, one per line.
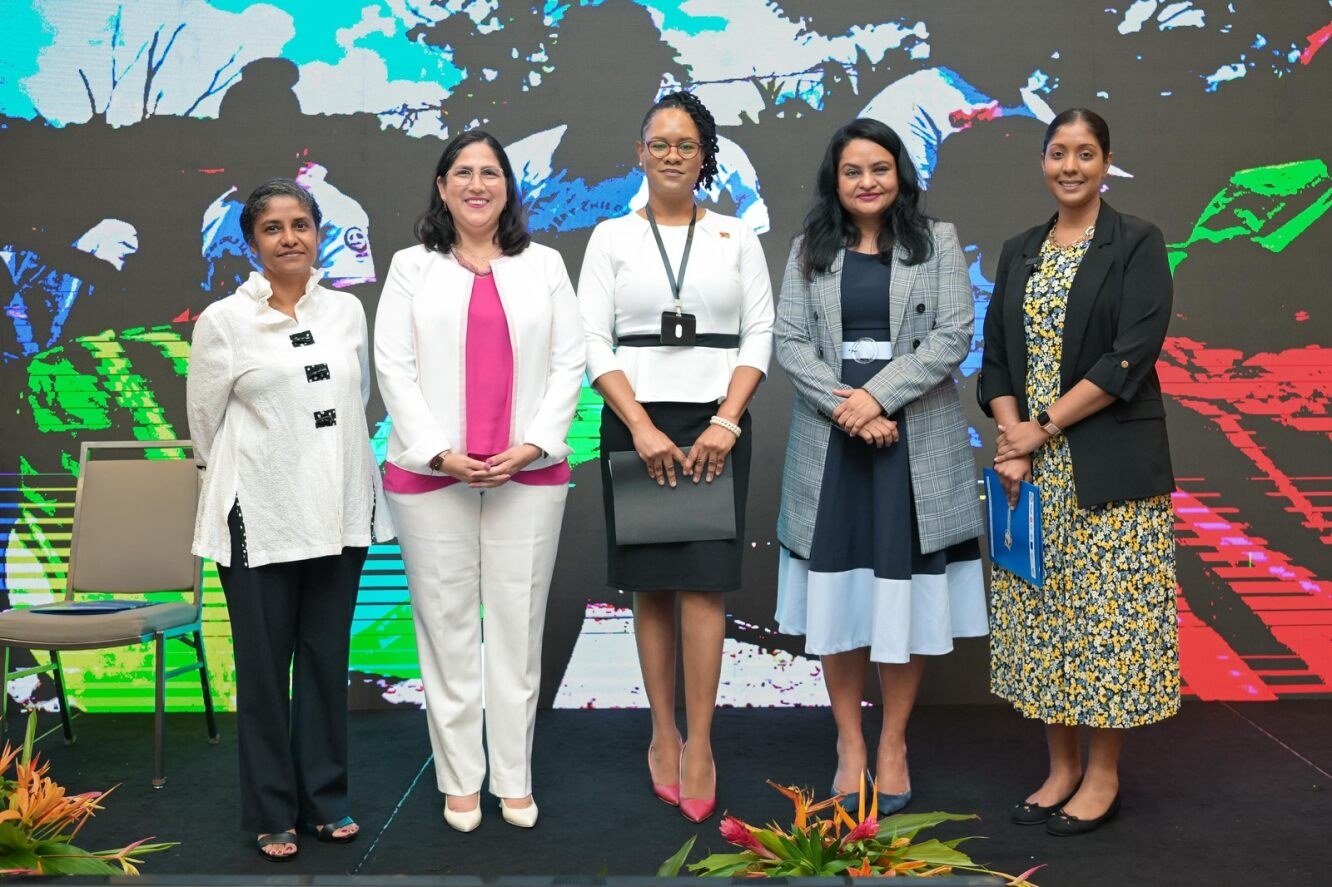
point(317, 26)
point(26, 35)
point(673, 18)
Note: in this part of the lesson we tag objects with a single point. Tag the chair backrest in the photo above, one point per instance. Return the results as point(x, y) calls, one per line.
point(134, 520)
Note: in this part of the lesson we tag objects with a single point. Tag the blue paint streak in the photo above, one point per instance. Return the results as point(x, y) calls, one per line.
point(570, 205)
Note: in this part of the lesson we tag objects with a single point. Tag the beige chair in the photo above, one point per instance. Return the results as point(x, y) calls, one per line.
point(133, 528)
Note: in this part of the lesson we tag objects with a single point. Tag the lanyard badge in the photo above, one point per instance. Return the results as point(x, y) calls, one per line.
point(677, 328)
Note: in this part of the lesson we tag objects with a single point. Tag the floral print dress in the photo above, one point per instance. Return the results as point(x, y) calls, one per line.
point(1098, 645)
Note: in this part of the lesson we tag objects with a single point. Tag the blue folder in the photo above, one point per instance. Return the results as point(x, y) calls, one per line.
point(1016, 534)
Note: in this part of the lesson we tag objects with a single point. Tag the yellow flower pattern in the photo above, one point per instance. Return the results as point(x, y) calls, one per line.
point(1098, 644)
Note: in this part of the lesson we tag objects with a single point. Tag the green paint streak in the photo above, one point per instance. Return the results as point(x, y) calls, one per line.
point(585, 433)
point(1268, 205)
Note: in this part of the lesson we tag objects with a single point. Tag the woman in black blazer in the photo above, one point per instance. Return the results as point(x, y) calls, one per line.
point(1074, 328)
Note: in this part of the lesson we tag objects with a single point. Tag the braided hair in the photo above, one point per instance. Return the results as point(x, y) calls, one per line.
point(707, 130)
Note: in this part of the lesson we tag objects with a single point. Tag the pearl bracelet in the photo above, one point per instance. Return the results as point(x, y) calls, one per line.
point(727, 424)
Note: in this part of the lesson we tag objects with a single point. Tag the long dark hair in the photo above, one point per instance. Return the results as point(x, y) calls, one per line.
point(1095, 122)
point(435, 228)
point(707, 130)
point(827, 227)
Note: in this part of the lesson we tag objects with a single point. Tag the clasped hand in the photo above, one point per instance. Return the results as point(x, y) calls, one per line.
point(862, 416)
point(1017, 441)
point(493, 472)
point(706, 459)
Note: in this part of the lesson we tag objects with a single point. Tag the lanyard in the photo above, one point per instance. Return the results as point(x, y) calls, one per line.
point(676, 284)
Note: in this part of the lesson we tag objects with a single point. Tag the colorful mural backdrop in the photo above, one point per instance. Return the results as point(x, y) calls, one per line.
point(130, 134)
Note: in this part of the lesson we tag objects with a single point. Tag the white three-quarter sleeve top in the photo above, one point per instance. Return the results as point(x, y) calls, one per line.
point(623, 290)
point(277, 414)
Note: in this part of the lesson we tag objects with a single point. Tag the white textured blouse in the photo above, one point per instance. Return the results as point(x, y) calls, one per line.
point(623, 290)
point(277, 414)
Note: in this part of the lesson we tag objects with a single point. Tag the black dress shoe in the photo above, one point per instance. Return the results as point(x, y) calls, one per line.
point(1028, 813)
point(1064, 825)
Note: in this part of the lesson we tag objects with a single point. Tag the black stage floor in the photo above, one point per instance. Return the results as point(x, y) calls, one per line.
point(1222, 794)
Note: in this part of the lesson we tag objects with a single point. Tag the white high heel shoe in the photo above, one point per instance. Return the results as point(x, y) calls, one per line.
point(523, 817)
point(463, 820)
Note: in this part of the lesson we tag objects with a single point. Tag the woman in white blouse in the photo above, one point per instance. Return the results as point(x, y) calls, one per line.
point(708, 269)
point(479, 350)
point(278, 381)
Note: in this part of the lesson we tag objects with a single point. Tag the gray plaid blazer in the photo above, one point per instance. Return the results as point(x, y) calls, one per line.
point(933, 316)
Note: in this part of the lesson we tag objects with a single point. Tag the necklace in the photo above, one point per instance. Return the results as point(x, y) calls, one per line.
point(1086, 236)
point(475, 264)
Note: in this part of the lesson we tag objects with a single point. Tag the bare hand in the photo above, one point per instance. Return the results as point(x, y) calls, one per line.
point(859, 408)
point(462, 467)
point(879, 432)
point(707, 456)
point(1012, 472)
point(1018, 440)
point(501, 467)
point(657, 453)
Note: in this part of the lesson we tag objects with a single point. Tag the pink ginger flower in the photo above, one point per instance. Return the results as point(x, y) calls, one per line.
point(738, 833)
point(868, 828)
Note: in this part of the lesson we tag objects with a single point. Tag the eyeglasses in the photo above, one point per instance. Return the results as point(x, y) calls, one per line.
point(660, 148)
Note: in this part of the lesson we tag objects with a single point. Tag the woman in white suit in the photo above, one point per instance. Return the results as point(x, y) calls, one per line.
point(479, 351)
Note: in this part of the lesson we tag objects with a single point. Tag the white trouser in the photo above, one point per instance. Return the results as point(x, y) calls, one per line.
point(464, 549)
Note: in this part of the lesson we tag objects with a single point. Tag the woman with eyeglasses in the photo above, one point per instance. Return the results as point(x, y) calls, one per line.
point(677, 305)
point(880, 512)
point(479, 350)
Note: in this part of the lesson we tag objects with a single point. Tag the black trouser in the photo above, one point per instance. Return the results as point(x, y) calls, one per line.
point(293, 617)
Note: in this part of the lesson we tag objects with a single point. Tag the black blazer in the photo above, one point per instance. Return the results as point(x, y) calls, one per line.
point(1118, 309)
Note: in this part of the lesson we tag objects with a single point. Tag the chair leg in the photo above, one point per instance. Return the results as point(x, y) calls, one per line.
point(64, 701)
point(159, 715)
point(4, 690)
point(207, 690)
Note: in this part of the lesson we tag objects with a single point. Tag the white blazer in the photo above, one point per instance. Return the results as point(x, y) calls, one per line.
point(421, 359)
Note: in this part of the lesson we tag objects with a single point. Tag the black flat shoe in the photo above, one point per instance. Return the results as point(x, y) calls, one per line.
point(328, 834)
point(1027, 813)
point(1065, 825)
point(265, 841)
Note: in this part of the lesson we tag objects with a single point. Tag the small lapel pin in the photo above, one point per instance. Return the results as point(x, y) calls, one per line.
point(724, 235)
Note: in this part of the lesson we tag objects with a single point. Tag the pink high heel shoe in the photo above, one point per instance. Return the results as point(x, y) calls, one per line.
point(668, 793)
point(699, 809)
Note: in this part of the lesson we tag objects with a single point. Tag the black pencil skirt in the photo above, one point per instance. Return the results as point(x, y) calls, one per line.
point(712, 565)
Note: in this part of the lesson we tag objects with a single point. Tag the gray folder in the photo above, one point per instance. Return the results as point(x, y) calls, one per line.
point(688, 512)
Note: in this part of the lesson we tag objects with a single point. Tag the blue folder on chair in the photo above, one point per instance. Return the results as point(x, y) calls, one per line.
point(1016, 534)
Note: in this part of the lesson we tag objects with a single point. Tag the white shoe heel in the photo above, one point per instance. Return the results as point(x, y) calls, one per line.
point(463, 820)
point(523, 817)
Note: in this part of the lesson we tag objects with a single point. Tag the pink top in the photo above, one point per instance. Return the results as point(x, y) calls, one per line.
point(489, 397)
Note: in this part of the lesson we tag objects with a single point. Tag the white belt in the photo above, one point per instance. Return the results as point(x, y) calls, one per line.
point(867, 350)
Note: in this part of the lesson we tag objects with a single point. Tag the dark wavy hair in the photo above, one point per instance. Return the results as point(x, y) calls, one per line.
point(1095, 122)
point(707, 130)
point(259, 199)
point(828, 228)
point(435, 228)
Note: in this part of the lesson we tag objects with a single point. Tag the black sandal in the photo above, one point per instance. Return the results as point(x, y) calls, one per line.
point(326, 832)
point(287, 837)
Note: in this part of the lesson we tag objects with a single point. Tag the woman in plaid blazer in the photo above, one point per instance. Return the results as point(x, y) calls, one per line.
point(880, 513)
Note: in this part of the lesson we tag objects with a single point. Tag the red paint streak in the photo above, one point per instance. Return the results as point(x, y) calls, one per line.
point(1290, 600)
point(1317, 40)
point(1210, 667)
point(1301, 316)
point(185, 317)
point(1292, 387)
point(213, 171)
point(965, 119)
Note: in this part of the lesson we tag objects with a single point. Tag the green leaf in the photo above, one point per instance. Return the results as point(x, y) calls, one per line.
point(728, 870)
point(78, 864)
point(906, 825)
point(23, 860)
point(671, 867)
point(29, 735)
point(837, 866)
point(12, 837)
point(937, 853)
point(772, 843)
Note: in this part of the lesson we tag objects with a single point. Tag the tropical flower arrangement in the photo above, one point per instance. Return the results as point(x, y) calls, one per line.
point(860, 846)
point(39, 821)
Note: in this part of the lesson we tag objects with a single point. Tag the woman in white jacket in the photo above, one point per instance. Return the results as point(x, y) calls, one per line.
point(479, 352)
